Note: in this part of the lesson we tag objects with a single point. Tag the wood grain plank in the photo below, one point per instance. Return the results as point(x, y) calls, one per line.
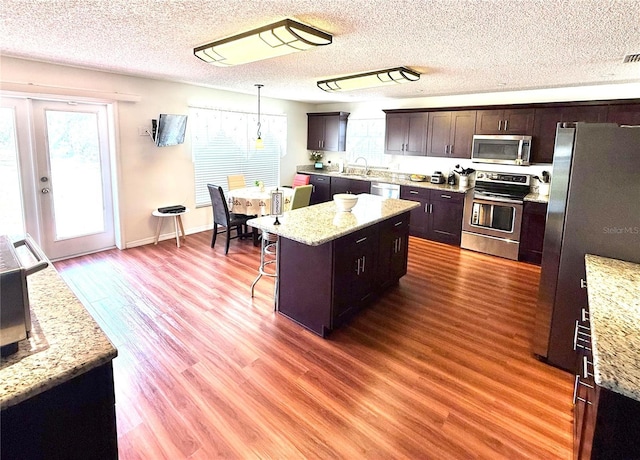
point(440, 367)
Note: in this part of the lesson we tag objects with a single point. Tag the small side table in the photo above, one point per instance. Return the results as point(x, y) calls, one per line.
point(177, 222)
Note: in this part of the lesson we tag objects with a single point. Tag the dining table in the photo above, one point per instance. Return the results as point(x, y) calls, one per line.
point(256, 201)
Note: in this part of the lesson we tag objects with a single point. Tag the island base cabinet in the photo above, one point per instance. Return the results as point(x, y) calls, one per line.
point(323, 287)
point(74, 420)
point(305, 284)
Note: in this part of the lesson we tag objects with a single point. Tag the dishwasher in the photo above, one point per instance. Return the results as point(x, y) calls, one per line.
point(386, 190)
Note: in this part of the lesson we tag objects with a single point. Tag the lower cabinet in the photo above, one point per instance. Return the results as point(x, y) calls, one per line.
point(322, 287)
point(76, 419)
point(321, 189)
point(439, 216)
point(355, 264)
point(534, 220)
point(346, 185)
point(605, 423)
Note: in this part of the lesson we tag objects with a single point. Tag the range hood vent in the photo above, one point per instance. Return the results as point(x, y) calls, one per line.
point(631, 58)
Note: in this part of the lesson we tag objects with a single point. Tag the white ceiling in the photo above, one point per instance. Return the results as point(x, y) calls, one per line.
point(459, 46)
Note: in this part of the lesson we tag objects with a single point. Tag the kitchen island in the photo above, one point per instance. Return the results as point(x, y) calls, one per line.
point(607, 382)
point(56, 392)
point(331, 264)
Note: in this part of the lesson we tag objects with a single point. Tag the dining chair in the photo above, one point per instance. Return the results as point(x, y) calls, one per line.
point(222, 216)
point(301, 196)
point(300, 179)
point(235, 181)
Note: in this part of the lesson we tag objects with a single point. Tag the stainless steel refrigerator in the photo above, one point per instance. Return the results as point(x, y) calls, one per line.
point(594, 208)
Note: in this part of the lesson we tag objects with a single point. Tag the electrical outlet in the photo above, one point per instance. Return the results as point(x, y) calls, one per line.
point(143, 131)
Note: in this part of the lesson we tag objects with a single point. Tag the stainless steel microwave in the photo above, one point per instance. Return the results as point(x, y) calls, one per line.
point(506, 150)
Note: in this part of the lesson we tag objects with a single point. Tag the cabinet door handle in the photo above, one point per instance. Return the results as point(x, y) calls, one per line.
point(585, 369)
point(358, 267)
point(431, 208)
point(585, 315)
point(575, 391)
point(448, 197)
point(397, 224)
point(426, 207)
point(361, 240)
point(583, 283)
point(451, 149)
point(499, 125)
point(506, 125)
point(364, 259)
point(413, 192)
point(446, 149)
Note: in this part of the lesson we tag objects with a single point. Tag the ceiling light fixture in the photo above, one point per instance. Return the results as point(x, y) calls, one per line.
point(283, 37)
point(369, 79)
point(259, 142)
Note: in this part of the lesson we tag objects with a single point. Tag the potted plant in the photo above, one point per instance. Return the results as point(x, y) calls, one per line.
point(316, 157)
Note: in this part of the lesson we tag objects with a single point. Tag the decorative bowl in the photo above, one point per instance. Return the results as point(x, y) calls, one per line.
point(345, 201)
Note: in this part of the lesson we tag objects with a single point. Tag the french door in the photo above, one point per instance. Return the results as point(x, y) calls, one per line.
point(66, 178)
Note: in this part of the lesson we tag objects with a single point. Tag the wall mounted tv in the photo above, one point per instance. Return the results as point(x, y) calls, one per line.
point(168, 129)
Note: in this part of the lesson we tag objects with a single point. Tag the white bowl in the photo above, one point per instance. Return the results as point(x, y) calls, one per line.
point(345, 201)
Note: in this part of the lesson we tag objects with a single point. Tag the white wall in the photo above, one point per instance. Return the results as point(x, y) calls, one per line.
point(149, 176)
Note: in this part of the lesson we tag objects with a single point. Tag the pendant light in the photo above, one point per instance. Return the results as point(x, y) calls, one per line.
point(259, 143)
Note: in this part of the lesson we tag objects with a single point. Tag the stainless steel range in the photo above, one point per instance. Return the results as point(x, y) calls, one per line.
point(493, 214)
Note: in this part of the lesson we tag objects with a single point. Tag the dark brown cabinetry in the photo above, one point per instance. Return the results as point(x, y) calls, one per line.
point(406, 133)
point(76, 419)
point(393, 250)
point(624, 114)
point(346, 185)
point(321, 287)
point(321, 189)
point(327, 131)
point(545, 125)
point(508, 121)
point(439, 216)
point(355, 265)
point(534, 219)
point(605, 423)
point(450, 134)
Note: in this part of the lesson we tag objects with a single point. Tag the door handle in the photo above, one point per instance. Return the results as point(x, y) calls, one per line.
point(506, 124)
point(499, 125)
point(45, 191)
point(451, 149)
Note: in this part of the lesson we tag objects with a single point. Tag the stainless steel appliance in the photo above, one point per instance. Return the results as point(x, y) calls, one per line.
point(593, 209)
point(493, 214)
point(385, 190)
point(437, 178)
point(15, 316)
point(507, 150)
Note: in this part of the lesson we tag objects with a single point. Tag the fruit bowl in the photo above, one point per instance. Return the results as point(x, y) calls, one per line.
point(417, 177)
point(345, 201)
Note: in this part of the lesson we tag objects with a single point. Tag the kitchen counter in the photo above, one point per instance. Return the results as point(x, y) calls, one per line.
point(65, 342)
point(390, 178)
point(537, 198)
point(614, 311)
point(321, 223)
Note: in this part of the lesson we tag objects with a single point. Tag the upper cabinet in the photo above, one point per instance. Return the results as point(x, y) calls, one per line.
point(624, 114)
point(451, 134)
point(509, 121)
point(406, 133)
point(327, 131)
point(546, 121)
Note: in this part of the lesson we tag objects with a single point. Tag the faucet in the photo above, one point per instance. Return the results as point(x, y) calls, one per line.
point(366, 167)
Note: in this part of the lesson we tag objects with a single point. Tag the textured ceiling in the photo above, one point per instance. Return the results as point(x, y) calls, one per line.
point(460, 46)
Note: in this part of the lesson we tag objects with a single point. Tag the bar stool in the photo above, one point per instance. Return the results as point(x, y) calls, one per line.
point(269, 262)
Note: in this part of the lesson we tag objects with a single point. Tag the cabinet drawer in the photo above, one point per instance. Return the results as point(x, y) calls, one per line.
point(451, 197)
point(317, 179)
point(414, 193)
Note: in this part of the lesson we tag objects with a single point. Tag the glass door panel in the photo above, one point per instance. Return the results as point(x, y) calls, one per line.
point(11, 208)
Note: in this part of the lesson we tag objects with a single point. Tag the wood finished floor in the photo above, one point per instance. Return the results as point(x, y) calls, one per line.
point(441, 367)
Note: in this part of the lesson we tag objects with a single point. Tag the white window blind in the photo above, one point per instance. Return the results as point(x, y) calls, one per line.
point(365, 138)
point(223, 143)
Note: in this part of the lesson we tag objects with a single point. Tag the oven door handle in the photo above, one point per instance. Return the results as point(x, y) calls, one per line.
point(492, 199)
point(31, 245)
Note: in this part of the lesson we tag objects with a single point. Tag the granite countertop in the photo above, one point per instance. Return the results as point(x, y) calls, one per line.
point(613, 288)
point(321, 223)
point(537, 198)
point(390, 178)
point(65, 342)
